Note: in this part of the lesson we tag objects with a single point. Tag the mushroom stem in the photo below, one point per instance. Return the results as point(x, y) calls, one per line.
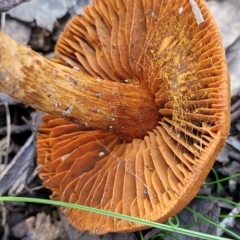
point(126, 109)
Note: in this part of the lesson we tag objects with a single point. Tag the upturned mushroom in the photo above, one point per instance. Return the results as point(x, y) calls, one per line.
point(139, 112)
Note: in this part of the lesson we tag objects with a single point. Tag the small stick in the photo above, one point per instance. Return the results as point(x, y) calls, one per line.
point(3, 20)
point(197, 12)
point(228, 221)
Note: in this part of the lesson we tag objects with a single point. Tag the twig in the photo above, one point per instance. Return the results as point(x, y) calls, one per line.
point(17, 166)
point(235, 115)
point(4, 221)
point(152, 233)
point(3, 20)
point(225, 205)
point(6, 5)
point(205, 191)
point(15, 129)
point(8, 136)
point(197, 12)
point(5, 98)
point(228, 221)
point(235, 106)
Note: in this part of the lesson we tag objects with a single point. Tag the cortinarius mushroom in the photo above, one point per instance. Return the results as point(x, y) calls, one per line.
point(146, 136)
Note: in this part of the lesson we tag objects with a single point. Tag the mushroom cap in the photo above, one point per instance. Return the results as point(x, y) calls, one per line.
point(173, 48)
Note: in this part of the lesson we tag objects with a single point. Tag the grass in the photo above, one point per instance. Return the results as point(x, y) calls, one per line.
point(166, 229)
point(170, 228)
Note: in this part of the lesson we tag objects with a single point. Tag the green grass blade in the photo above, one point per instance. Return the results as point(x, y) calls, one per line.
point(116, 215)
point(237, 175)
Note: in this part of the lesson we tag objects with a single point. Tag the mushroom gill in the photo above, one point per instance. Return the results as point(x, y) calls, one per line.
point(173, 50)
point(158, 45)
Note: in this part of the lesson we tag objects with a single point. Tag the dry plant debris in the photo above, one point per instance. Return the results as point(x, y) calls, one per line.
point(161, 120)
point(46, 12)
point(208, 208)
point(230, 28)
point(227, 166)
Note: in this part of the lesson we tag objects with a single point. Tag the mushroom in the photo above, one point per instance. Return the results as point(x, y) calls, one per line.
point(137, 115)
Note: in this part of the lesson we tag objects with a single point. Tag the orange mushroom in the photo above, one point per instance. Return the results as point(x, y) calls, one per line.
point(167, 58)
